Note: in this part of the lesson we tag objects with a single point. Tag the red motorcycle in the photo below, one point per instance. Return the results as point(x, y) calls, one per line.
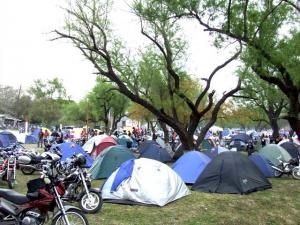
point(43, 196)
point(8, 164)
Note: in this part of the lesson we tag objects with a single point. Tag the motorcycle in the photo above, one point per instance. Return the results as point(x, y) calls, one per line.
point(78, 184)
point(43, 196)
point(8, 167)
point(290, 168)
point(30, 162)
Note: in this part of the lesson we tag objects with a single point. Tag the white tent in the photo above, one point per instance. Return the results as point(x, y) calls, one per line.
point(94, 141)
point(149, 182)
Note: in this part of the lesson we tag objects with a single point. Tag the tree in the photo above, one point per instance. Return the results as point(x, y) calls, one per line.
point(268, 99)
point(105, 101)
point(48, 98)
point(88, 28)
point(270, 31)
point(14, 102)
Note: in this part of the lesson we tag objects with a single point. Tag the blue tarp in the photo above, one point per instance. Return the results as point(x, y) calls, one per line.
point(7, 138)
point(263, 164)
point(68, 149)
point(157, 153)
point(123, 173)
point(190, 165)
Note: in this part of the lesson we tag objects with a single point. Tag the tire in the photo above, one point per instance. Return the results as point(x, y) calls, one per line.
point(296, 173)
point(277, 173)
point(10, 180)
point(73, 216)
point(91, 207)
point(27, 170)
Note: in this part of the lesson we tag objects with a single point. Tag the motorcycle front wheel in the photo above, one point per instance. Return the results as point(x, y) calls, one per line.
point(74, 216)
point(10, 180)
point(27, 170)
point(277, 173)
point(296, 173)
point(91, 203)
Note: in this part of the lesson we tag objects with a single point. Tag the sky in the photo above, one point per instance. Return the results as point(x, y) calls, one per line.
point(27, 52)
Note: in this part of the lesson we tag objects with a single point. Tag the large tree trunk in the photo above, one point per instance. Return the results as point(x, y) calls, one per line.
point(165, 130)
point(275, 128)
point(294, 110)
point(106, 125)
point(187, 140)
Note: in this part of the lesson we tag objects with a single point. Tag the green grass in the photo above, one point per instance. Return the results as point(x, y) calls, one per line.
point(279, 205)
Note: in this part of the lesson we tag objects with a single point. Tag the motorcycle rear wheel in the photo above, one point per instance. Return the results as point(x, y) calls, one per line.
point(74, 216)
point(27, 170)
point(296, 174)
point(92, 205)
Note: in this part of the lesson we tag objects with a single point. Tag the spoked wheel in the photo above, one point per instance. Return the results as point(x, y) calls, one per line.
point(296, 173)
point(27, 170)
point(10, 180)
point(75, 217)
point(91, 203)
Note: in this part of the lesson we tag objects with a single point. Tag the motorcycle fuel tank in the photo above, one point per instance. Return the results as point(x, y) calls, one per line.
point(24, 159)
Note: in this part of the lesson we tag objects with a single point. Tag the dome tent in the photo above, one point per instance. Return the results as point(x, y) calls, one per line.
point(92, 142)
point(232, 173)
point(7, 139)
point(272, 152)
point(291, 148)
point(109, 160)
point(263, 164)
point(103, 144)
point(68, 149)
point(157, 153)
point(144, 181)
point(190, 165)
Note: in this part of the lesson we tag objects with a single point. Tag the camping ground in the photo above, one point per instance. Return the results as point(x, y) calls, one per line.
point(279, 205)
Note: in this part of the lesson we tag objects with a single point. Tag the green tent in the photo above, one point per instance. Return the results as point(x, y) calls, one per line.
point(109, 160)
point(206, 145)
point(272, 152)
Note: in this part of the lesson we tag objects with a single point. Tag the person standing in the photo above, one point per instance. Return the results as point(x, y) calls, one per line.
point(40, 139)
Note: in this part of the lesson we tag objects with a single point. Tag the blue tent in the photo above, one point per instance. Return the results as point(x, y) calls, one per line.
point(263, 164)
point(225, 132)
point(190, 166)
point(7, 138)
point(68, 149)
point(156, 152)
point(145, 145)
point(36, 132)
point(241, 137)
point(31, 139)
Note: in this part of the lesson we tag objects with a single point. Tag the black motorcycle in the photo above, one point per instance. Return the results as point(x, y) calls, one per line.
point(78, 184)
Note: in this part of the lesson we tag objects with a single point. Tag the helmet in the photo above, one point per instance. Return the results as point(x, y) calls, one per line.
point(81, 160)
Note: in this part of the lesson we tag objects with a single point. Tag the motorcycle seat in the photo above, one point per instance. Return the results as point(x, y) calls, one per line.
point(13, 196)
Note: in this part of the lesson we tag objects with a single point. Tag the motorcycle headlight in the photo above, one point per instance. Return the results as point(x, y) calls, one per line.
point(47, 180)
